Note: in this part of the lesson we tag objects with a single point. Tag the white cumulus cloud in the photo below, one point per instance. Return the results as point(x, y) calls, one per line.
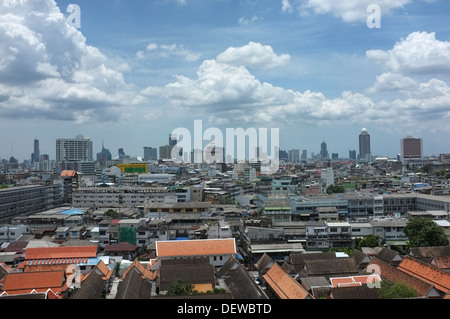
point(253, 55)
point(348, 11)
point(419, 52)
point(47, 70)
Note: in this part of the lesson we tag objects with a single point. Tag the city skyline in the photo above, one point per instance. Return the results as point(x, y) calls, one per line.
point(133, 71)
point(156, 150)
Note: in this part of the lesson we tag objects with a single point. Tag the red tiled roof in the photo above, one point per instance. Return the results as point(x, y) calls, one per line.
point(392, 274)
point(29, 282)
point(284, 286)
point(201, 247)
point(50, 264)
point(426, 272)
point(68, 173)
point(61, 252)
point(101, 269)
point(145, 273)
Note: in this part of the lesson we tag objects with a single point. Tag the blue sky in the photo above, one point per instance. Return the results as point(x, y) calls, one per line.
point(137, 69)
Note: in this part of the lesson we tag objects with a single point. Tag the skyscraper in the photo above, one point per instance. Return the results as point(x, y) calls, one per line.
point(352, 154)
point(104, 155)
point(35, 157)
point(173, 140)
point(74, 149)
point(150, 153)
point(364, 144)
point(323, 150)
point(304, 155)
point(411, 147)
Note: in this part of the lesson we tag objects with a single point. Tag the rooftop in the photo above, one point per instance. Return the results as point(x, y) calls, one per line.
point(201, 247)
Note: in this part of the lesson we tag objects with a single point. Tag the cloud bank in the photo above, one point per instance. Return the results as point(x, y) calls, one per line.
point(228, 92)
point(48, 71)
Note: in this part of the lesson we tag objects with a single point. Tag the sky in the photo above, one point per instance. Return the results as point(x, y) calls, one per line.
point(126, 73)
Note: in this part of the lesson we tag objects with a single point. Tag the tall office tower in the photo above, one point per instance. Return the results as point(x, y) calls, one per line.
point(364, 144)
point(411, 147)
point(104, 155)
point(74, 149)
point(165, 152)
point(150, 153)
point(323, 150)
point(173, 140)
point(294, 155)
point(121, 153)
point(352, 154)
point(35, 157)
point(304, 155)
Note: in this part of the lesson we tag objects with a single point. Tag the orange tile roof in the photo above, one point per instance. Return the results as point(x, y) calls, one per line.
point(105, 271)
point(426, 272)
point(200, 247)
point(68, 173)
point(393, 274)
point(284, 286)
point(145, 273)
point(61, 252)
point(28, 268)
point(29, 282)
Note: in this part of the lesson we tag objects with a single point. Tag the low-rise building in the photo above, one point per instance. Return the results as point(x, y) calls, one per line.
point(217, 250)
point(27, 200)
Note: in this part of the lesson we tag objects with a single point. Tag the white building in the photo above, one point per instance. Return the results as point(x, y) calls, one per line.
point(12, 233)
point(75, 154)
point(327, 176)
point(74, 149)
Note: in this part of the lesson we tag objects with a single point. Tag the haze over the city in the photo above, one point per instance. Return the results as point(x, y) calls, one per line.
point(129, 72)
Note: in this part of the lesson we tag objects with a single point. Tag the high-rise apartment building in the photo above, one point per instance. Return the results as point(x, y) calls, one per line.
point(364, 144)
point(75, 154)
point(294, 156)
point(74, 149)
point(165, 152)
point(411, 147)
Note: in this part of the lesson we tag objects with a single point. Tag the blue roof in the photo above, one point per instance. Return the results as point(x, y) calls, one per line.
point(72, 212)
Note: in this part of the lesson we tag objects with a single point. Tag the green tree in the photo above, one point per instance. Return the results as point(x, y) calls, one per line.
point(368, 241)
point(397, 289)
point(111, 213)
point(179, 287)
point(423, 232)
point(335, 189)
point(226, 199)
